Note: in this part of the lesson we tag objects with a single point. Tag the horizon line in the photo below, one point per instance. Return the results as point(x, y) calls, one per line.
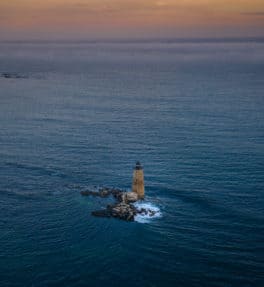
point(168, 40)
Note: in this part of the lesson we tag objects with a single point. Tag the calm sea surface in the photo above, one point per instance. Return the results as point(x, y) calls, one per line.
point(83, 114)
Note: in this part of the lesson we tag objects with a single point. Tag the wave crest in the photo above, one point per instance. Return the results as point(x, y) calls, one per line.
point(150, 212)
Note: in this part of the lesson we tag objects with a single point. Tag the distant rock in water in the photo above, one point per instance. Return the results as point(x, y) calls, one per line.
point(123, 208)
point(7, 75)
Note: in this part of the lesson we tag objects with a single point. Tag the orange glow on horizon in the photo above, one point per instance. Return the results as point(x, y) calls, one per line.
point(119, 17)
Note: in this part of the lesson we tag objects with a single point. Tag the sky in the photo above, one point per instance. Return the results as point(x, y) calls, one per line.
point(95, 19)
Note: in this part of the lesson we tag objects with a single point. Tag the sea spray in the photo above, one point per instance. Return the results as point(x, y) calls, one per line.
point(151, 212)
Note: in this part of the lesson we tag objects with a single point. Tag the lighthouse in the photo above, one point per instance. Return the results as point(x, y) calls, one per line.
point(138, 181)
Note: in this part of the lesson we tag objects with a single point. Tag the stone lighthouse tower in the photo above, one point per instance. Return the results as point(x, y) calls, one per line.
point(138, 181)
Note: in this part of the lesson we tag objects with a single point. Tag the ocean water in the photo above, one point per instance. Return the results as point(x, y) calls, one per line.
point(82, 114)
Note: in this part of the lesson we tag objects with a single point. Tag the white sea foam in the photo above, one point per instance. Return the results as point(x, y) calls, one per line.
point(149, 207)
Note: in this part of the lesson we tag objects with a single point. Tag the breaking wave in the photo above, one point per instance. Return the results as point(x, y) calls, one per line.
point(151, 211)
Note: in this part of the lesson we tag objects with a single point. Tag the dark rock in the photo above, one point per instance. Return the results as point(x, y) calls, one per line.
point(105, 192)
point(145, 211)
point(89, 192)
point(100, 193)
point(130, 197)
point(101, 213)
point(122, 211)
point(119, 196)
point(142, 211)
point(12, 76)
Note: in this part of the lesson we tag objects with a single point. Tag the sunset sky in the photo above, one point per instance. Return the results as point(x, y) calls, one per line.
point(84, 19)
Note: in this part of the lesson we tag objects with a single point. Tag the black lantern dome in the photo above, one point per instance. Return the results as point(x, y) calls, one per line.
point(138, 166)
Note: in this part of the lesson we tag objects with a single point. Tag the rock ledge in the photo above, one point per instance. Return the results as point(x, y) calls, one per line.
point(123, 208)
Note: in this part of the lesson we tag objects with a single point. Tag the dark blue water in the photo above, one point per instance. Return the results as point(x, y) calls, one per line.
point(192, 113)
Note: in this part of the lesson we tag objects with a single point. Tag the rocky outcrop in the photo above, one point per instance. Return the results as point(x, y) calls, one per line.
point(146, 211)
point(104, 192)
point(123, 208)
point(119, 210)
point(101, 213)
point(122, 211)
point(130, 197)
point(7, 75)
